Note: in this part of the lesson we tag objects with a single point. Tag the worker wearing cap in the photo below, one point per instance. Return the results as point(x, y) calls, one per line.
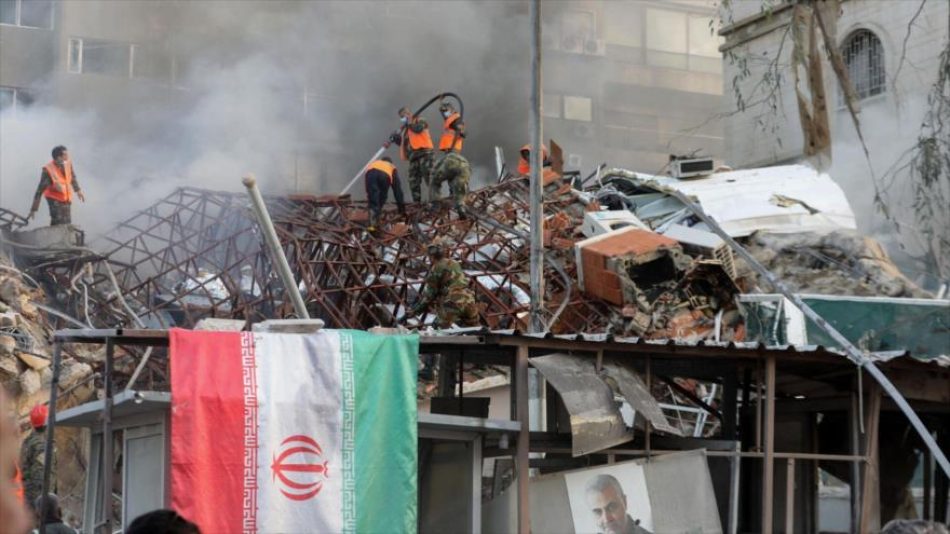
point(380, 176)
point(33, 455)
point(57, 184)
point(415, 146)
point(452, 167)
point(446, 288)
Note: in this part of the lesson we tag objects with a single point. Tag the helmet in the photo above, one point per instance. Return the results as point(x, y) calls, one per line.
point(38, 415)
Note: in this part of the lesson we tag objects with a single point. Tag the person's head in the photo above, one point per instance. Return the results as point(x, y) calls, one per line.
point(608, 503)
point(52, 513)
point(404, 114)
point(436, 249)
point(446, 108)
point(387, 159)
point(60, 154)
point(38, 416)
point(162, 522)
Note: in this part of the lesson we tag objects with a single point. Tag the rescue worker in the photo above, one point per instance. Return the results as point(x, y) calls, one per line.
point(446, 288)
point(524, 163)
point(57, 183)
point(415, 146)
point(452, 167)
point(380, 176)
point(33, 455)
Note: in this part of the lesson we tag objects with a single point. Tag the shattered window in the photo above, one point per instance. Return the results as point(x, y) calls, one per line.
point(578, 108)
point(864, 56)
point(577, 27)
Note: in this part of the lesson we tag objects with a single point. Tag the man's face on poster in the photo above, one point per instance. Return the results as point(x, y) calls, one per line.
point(609, 507)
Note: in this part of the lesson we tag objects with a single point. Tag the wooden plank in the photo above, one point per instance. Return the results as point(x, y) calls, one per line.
point(521, 407)
point(768, 467)
point(871, 491)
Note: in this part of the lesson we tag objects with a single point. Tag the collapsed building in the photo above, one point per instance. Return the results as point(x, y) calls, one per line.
point(627, 269)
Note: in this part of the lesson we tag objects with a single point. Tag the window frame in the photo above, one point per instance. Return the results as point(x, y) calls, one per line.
point(876, 81)
point(17, 95)
point(18, 17)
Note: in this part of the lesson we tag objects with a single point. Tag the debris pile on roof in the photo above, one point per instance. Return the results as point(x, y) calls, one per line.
point(622, 255)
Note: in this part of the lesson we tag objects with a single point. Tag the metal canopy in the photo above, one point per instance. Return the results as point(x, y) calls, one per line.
point(596, 423)
point(638, 395)
point(124, 404)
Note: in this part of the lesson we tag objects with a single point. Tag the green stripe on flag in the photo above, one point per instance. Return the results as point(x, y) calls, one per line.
point(386, 437)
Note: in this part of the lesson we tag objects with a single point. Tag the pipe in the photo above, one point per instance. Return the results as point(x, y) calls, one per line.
point(364, 167)
point(50, 429)
point(270, 237)
point(852, 352)
point(537, 193)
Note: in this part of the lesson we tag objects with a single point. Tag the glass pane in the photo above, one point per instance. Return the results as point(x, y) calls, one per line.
point(6, 99)
point(666, 31)
point(667, 60)
point(703, 40)
point(624, 24)
point(7, 11)
point(577, 108)
point(103, 57)
point(36, 13)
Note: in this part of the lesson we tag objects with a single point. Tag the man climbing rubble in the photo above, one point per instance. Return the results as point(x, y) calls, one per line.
point(453, 167)
point(33, 455)
point(415, 145)
point(57, 183)
point(380, 176)
point(524, 161)
point(446, 288)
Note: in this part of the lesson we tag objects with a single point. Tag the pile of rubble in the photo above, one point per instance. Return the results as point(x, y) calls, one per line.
point(623, 255)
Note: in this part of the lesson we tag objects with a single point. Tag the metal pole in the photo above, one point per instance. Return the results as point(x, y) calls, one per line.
point(536, 197)
point(852, 352)
point(790, 495)
point(524, 443)
point(363, 169)
point(107, 438)
point(50, 428)
point(768, 467)
point(277, 253)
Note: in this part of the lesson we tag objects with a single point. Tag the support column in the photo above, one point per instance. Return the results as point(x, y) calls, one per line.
point(522, 459)
point(871, 491)
point(768, 467)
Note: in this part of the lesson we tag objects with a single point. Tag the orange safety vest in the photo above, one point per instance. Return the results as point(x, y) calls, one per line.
point(445, 143)
point(18, 483)
point(385, 166)
point(61, 179)
point(524, 166)
point(416, 141)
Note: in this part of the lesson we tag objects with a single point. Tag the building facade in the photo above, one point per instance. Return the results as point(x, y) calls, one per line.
point(891, 51)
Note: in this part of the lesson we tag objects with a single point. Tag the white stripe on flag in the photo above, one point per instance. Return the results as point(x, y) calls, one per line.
point(301, 476)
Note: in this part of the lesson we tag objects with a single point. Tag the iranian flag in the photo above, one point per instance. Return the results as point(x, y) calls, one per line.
point(292, 433)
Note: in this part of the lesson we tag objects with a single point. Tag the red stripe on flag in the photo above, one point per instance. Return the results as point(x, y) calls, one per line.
point(214, 430)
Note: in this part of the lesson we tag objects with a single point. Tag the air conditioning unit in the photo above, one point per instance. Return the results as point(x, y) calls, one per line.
point(572, 44)
point(602, 222)
point(689, 168)
point(583, 130)
point(574, 161)
point(595, 47)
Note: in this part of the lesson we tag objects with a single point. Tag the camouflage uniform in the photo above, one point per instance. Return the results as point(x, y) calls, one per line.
point(454, 169)
point(420, 161)
point(446, 288)
point(420, 169)
point(32, 461)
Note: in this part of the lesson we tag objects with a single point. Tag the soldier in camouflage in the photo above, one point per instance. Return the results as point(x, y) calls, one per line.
point(446, 288)
point(454, 169)
point(33, 456)
point(415, 145)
